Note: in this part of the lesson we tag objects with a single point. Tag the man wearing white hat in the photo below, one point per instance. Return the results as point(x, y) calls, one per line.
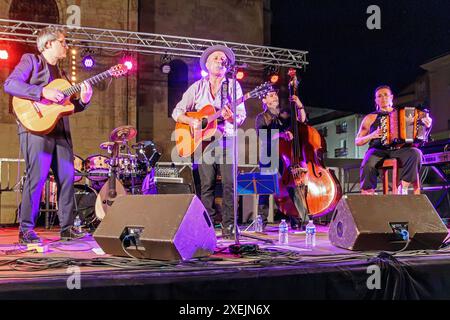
point(207, 91)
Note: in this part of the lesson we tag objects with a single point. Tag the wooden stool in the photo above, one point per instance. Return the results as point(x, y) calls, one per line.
point(394, 164)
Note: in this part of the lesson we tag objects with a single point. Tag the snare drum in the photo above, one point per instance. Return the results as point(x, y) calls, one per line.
point(78, 164)
point(98, 166)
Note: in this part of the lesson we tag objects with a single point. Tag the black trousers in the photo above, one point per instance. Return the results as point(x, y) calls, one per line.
point(42, 153)
point(208, 171)
point(410, 158)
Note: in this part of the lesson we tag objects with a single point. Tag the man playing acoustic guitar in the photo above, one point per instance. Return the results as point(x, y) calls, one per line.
point(54, 149)
point(207, 91)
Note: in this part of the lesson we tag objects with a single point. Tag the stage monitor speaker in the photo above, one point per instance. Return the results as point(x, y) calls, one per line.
point(365, 222)
point(160, 227)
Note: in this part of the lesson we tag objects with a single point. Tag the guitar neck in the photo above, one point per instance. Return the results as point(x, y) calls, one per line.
point(94, 80)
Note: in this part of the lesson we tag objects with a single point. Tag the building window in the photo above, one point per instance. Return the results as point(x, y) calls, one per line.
point(323, 132)
point(177, 83)
point(342, 151)
point(341, 127)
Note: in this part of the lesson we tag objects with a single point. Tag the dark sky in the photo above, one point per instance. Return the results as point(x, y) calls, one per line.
point(347, 60)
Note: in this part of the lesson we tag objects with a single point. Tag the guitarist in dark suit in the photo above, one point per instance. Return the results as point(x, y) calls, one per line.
point(208, 91)
point(52, 150)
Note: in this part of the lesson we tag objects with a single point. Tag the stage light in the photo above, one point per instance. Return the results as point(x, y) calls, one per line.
point(4, 54)
point(240, 75)
point(204, 74)
point(165, 64)
point(88, 62)
point(128, 64)
point(272, 74)
point(274, 78)
point(165, 68)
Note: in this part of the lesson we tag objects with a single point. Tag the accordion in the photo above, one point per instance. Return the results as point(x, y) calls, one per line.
point(403, 126)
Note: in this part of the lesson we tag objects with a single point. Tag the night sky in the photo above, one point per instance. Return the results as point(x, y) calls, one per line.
point(347, 60)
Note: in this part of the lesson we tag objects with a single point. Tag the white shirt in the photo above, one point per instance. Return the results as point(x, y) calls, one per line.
point(198, 95)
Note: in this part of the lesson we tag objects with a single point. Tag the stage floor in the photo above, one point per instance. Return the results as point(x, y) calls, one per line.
point(324, 272)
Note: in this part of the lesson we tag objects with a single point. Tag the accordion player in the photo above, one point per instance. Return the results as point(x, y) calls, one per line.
point(403, 126)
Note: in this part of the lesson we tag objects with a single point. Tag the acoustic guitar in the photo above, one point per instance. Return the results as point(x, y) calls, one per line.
point(187, 139)
point(40, 117)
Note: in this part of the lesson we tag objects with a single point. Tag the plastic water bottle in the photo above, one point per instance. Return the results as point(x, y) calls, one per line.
point(283, 229)
point(259, 224)
point(310, 234)
point(77, 223)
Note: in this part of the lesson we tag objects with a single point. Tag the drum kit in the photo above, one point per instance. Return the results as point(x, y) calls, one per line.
point(124, 169)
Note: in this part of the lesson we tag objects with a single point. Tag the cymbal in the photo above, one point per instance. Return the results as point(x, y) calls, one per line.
point(123, 133)
point(106, 145)
point(143, 144)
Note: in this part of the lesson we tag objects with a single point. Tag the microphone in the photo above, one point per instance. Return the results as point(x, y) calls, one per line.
point(224, 63)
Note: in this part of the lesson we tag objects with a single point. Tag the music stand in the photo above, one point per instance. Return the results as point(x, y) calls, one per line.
point(259, 184)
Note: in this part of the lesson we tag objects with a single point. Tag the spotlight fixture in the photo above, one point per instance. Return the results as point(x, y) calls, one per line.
point(129, 62)
point(88, 62)
point(165, 64)
point(273, 74)
point(240, 75)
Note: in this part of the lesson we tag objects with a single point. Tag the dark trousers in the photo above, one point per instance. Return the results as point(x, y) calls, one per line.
point(208, 173)
point(42, 153)
point(410, 158)
point(208, 169)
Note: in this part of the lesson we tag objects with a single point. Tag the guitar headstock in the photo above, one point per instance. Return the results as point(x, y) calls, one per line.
point(118, 70)
point(261, 90)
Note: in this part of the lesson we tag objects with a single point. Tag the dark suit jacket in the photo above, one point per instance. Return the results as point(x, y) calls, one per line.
point(28, 79)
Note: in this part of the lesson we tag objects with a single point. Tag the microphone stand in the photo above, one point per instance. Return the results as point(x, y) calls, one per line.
point(233, 71)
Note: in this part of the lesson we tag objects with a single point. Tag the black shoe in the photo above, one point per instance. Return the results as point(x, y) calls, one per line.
point(71, 234)
point(28, 237)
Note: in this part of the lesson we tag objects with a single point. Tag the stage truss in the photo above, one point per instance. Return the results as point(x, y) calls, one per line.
point(150, 43)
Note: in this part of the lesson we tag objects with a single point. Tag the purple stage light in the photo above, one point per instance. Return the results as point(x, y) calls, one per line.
point(88, 62)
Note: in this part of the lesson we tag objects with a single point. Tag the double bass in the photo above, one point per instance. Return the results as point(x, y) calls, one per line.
point(306, 186)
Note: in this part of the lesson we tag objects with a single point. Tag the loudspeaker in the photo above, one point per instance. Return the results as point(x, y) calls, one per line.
point(364, 222)
point(160, 227)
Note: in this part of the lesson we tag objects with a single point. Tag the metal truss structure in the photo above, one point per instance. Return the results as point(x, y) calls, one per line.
point(150, 43)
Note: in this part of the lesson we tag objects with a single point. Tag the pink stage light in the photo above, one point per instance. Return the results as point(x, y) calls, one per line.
point(129, 64)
